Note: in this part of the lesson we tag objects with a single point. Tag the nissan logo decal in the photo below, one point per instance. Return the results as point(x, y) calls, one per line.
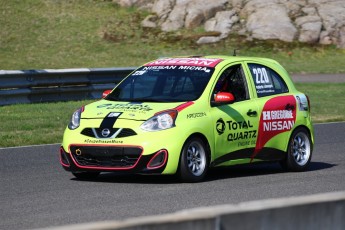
point(105, 132)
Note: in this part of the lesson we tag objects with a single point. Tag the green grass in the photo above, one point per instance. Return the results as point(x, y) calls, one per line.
point(327, 100)
point(30, 124)
point(39, 34)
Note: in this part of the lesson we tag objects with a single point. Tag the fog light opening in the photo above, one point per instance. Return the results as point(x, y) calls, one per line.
point(158, 160)
point(63, 158)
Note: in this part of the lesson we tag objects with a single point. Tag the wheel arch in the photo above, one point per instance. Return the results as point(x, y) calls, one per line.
point(303, 127)
point(205, 140)
point(289, 163)
point(187, 174)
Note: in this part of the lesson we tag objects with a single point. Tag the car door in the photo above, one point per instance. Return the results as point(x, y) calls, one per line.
point(236, 123)
point(277, 112)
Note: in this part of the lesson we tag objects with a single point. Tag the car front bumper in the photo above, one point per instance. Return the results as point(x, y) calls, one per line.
point(110, 158)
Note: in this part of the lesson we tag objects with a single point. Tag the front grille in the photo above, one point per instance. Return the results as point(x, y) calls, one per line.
point(97, 132)
point(126, 133)
point(96, 156)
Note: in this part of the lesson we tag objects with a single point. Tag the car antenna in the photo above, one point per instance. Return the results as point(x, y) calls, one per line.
point(235, 53)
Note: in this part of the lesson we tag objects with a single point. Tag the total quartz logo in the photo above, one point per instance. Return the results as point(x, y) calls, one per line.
point(220, 126)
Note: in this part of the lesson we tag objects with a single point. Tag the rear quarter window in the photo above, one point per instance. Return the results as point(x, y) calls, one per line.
point(267, 81)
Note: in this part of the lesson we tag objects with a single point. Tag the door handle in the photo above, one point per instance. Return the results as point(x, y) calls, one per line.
point(252, 113)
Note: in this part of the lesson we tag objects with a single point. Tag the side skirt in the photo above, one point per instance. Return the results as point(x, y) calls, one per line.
point(266, 154)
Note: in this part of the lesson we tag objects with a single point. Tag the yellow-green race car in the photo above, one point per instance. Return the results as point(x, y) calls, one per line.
point(184, 115)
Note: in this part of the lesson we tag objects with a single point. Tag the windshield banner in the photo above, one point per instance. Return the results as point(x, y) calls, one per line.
point(206, 62)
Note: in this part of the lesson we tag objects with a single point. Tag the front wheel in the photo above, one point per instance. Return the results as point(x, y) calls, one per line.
point(193, 160)
point(299, 151)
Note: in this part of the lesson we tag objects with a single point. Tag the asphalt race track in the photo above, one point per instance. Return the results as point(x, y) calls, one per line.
point(36, 192)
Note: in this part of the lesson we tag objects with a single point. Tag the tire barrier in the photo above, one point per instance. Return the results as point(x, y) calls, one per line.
point(313, 212)
point(48, 85)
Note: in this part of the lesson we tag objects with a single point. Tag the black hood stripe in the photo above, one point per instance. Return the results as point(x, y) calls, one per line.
point(109, 121)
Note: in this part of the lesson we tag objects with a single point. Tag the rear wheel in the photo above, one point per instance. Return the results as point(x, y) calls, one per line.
point(299, 151)
point(86, 175)
point(193, 160)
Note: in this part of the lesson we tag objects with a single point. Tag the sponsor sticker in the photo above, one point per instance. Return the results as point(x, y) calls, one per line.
point(241, 132)
point(114, 114)
point(202, 62)
point(196, 115)
point(182, 67)
point(103, 141)
point(220, 126)
point(263, 82)
point(139, 72)
point(129, 107)
point(278, 116)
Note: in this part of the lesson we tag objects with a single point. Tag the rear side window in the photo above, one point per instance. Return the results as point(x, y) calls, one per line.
point(267, 81)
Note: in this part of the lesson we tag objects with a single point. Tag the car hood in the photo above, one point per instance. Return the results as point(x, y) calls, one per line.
point(125, 110)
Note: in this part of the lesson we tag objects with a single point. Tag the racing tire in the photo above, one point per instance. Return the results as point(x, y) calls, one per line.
point(299, 151)
point(193, 160)
point(86, 175)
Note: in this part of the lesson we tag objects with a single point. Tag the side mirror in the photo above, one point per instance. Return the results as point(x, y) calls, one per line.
point(222, 98)
point(105, 93)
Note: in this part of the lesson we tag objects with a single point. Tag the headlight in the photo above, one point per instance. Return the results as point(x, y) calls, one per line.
point(161, 121)
point(75, 120)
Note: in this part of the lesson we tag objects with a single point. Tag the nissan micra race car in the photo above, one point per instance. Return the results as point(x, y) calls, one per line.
point(184, 115)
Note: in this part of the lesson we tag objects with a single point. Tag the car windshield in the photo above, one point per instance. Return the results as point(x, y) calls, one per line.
point(163, 84)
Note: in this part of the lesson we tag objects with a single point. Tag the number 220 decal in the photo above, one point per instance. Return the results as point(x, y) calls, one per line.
point(261, 76)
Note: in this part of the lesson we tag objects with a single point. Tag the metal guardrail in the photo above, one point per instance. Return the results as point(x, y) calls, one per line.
point(313, 212)
point(33, 86)
point(47, 85)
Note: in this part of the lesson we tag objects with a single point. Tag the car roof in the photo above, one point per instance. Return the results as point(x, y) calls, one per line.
point(242, 58)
